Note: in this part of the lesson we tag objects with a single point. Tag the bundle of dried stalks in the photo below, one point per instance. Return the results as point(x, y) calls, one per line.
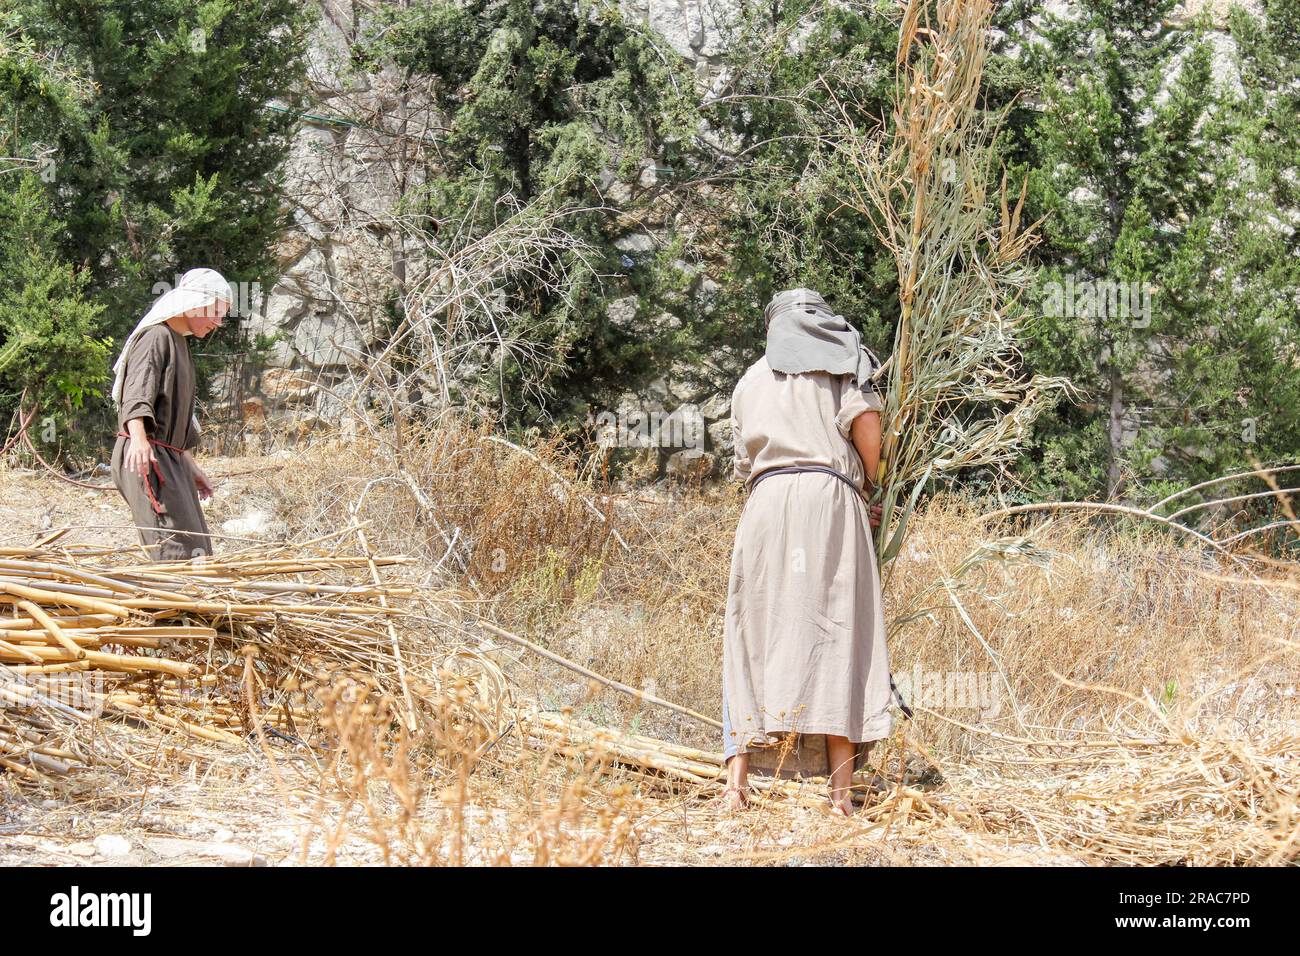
point(956, 395)
point(205, 647)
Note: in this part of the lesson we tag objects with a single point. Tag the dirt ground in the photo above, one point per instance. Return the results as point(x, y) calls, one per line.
point(234, 809)
point(180, 801)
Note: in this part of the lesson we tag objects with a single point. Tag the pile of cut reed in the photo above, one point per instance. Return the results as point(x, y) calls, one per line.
point(214, 648)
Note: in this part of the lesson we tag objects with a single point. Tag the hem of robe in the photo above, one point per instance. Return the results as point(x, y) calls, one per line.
point(877, 729)
point(808, 756)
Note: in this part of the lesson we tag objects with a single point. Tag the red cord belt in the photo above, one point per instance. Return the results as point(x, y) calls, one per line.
point(153, 500)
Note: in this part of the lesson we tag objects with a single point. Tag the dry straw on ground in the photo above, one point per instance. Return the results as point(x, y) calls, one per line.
point(1138, 702)
point(497, 694)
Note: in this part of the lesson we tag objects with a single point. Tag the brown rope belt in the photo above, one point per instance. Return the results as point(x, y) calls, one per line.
point(795, 469)
point(153, 465)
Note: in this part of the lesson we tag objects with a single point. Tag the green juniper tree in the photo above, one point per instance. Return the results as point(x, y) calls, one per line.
point(1255, 288)
point(1118, 157)
point(174, 159)
point(556, 107)
point(800, 75)
point(797, 70)
point(1009, 78)
point(48, 347)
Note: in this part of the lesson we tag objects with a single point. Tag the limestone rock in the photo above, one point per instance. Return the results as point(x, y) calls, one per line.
point(112, 847)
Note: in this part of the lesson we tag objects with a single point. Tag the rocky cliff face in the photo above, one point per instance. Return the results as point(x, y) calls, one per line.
point(338, 262)
point(344, 258)
point(346, 179)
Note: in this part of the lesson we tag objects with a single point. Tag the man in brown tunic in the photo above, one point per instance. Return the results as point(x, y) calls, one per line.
point(153, 464)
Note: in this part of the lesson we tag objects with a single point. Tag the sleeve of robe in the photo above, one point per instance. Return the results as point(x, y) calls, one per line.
point(853, 402)
point(145, 367)
point(740, 463)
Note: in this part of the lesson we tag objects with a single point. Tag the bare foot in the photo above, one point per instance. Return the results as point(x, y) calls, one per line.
point(843, 806)
point(736, 798)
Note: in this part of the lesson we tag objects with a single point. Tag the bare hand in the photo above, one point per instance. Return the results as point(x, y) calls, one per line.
point(873, 515)
point(139, 458)
point(202, 483)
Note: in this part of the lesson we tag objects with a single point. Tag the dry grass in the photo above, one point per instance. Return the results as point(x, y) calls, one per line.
point(1117, 655)
point(626, 584)
point(1144, 707)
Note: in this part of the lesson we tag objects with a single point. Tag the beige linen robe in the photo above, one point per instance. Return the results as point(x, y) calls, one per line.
point(159, 387)
point(804, 645)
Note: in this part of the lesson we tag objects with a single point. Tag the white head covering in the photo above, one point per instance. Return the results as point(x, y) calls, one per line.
point(197, 288)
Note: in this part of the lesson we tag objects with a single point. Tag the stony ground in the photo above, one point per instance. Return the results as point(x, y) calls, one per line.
point(184, 802)
point(214, 807)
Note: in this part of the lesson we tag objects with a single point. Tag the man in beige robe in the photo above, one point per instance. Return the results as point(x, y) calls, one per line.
point(804, 639)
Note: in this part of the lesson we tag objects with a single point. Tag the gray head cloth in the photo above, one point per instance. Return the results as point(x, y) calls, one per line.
point(804, 335)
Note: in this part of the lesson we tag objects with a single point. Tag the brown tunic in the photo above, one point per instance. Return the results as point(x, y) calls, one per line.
point(159, 387)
